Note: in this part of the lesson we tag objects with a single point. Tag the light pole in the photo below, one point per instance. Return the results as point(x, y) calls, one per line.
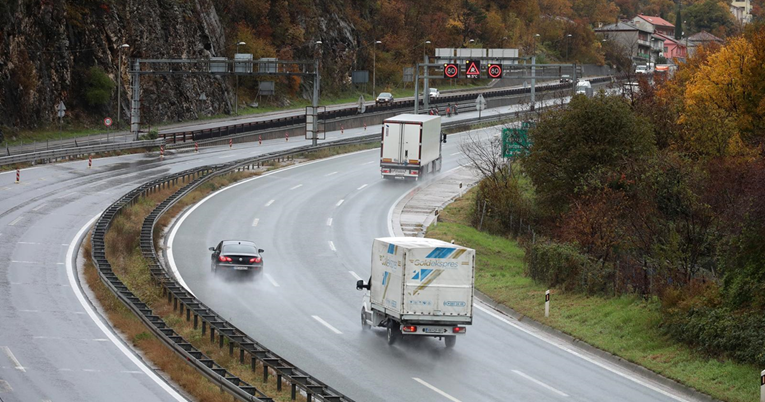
point(119, 83)
point(504, 38)
point(568, 44)
point(236, 91)
point(315, 100)
point(374, 67)
point(536, 38)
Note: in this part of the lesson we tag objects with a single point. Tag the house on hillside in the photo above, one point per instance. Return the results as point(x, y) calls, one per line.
point(635, 41)
point(702, 38)
point(654, 24)
point(673, 48)
point(742, 11)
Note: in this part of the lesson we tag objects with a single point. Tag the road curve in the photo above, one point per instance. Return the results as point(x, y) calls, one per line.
point(316, 223)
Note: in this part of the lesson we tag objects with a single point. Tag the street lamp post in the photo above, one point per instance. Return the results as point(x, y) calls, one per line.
point(536, 38)
point(568, 44)
point(315, 100)
point(374, 68)
point(119, 83)
point(236, 91)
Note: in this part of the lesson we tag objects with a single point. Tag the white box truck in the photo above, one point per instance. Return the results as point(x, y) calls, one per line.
point(410, 146)
point(419, 287)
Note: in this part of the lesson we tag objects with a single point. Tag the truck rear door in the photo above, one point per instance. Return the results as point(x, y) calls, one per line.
point(411, 143)
point(391, 148)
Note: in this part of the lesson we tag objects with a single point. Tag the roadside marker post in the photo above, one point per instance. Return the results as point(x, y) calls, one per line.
point(18, 176)
point(286, 136)
point(547, 303)
point(161, 152)
point(342, 130)
point(260, 140)
point(196, 148)
point(762, 386)
point(231, 143)
point(365, 126)
point(90, 161)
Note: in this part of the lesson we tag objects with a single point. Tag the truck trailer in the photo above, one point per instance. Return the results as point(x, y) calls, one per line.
point(419, 287)
point(410, 146)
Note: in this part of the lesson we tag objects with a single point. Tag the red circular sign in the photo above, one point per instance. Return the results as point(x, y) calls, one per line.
point(108, 121)
point(495, 71)
point(451, 71)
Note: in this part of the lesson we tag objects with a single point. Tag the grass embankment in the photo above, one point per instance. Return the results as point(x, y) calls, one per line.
point(327, 152)
point(123, 252)
point(627, 326)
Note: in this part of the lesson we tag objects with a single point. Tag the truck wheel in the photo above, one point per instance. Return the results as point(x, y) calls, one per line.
point(364, 324)
point(450, 340)
point(393, 332)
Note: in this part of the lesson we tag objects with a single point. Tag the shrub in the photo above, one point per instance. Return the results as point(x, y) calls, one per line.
point(556, 264)
point(99, 87)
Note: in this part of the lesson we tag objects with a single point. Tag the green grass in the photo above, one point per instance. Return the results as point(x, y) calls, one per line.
point(626, 326)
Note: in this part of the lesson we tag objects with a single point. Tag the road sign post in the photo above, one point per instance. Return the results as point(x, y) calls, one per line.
point(107, 123)
point(61, 109)
point(480, 105)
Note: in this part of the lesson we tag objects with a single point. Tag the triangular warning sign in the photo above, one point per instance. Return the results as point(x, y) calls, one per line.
point(472, 69)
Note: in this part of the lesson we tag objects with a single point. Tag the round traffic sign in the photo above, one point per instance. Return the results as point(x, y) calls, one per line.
point(108, 121)
point(450, 70)
point(495, 71)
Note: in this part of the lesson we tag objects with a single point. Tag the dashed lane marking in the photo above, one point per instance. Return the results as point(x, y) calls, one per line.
point(13, 359)
point(540, 383)
point(268, 204)
point(326, 324)
point(442, 393)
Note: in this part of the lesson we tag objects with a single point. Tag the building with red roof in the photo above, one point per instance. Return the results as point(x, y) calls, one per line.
point(654, 24)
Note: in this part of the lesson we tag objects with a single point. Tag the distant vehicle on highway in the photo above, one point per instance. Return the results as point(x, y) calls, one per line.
point(641, 69)
point(384, 98)
point(411, 146)
point(565, 79)
point(584, 87)
point(236, 257)
point(433, 93)
point(419, 287)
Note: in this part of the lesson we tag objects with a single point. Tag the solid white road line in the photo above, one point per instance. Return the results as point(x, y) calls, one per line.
point(37, 208)
point(255, 222)
point(560, 345)
point(339, 202)
point(329, 222)
point(28, 242)
point(298, 186)
point(273, 282)
point(330, 174)
point(442, 393)
point(540, 383)
point(332, 246)
point(326, 324)
point(25, 262)
point(355, 275)
point(361, 187)
point(15, 361)
point(368, 162)
point(456, 153)
point(268, 204)
point(15, 221)
point(93, 316)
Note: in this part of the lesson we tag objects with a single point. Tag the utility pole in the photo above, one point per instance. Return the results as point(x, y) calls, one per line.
point(416, 88)
point(374, 68)
point(236, 91)
point(316, 79)
point(119, 84)
point(533, 80)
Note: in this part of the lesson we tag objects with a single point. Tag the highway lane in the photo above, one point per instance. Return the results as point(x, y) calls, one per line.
point(52, 346)
point(307, 309)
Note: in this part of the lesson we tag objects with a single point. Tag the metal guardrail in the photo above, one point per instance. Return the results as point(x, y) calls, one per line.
point(181, 298)
point(54, 154)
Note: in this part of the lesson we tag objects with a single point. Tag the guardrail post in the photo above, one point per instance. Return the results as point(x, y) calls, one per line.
point(220, 339)
point(188, 314)
point(265, 373)
point(253, 364)
point(181, 305)
point(212, 334)
point(279, 382)
point(175, 303)
point(241, 355)
point(230, 348)
point(204, 327)
point(293, 392)
point(196, 319)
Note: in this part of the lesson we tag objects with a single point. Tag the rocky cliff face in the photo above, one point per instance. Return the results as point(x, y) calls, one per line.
point(47, 47)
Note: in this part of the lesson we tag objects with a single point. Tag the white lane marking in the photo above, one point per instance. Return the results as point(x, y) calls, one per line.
point(298, 186)
point(329, 222)
point(326, 324)
point(174, 231)
point(273, 282)
point(330, 174)
point(130, 372)
point(339, 203)
point(13, 358)
point(540, 383)
point(361, 187)
point(442, 393)
point(76, 339)
point(355, 275)
point(15, 221)
point(226, 156)
point(268, 204)
point(67, 194)
point(25, 262)
point(368, 162)
point(332, 246)
point(629, 376)
point(91, 370)
point(64, 369)
point(28, 242)
point(456, 153)
point(37, 208)
point(52, 311)
point(255, 222)
point(93, 316)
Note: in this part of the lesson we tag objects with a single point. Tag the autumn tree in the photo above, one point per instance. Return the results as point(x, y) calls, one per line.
point(709, 15)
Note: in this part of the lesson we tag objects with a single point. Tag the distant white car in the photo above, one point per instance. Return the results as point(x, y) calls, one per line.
point(641, 69)
point(433, 93)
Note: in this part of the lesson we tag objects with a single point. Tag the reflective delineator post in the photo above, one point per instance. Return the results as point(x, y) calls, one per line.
point(547, 303)
point(90, 161)
point(260, 140)
point(196, 147)
point(18, 176)
point(365, 126)
point(230, 143)
point(286, 136)
point(342, 130)
point(762, 386)
point(161, 152)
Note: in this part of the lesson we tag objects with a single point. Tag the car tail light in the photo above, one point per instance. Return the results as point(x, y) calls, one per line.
point(409, 328)
point(256, 260)
point(459, 330)
point(386, 170)
point(224, 259)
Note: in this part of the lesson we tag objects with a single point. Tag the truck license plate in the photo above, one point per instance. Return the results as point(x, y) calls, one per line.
point(434, 330)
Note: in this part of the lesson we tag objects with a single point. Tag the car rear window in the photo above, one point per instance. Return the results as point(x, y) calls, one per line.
point(239, 248)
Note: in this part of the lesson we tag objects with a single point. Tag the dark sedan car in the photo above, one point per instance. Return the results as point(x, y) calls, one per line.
point(236, 256)
point(385, 98)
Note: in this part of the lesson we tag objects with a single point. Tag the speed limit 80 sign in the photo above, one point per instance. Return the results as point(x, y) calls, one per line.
point(451, 70)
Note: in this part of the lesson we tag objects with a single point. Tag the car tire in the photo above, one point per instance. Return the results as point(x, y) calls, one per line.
point(393, 332)
point(450, 341)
